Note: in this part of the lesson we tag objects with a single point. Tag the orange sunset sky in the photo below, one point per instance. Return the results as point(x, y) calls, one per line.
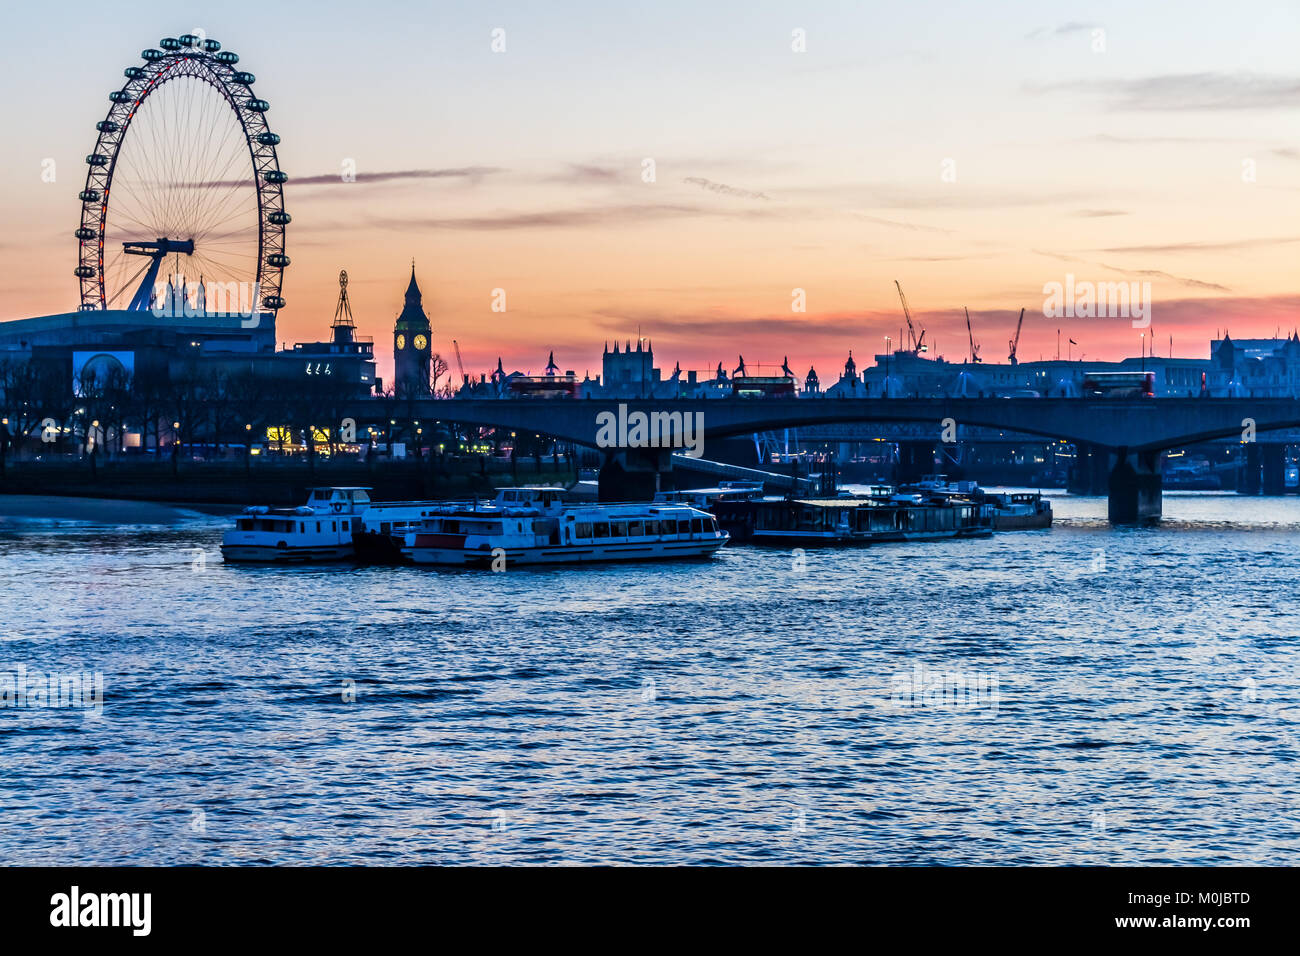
point(974, 152)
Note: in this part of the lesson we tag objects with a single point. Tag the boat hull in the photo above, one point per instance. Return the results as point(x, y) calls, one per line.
point(1003, 522)
point(774, 536)
point(593, 554)
point(373, 547)
point(289, 554)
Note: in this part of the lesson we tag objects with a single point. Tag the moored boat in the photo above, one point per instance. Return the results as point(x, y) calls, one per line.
point(1012, 511)
point(880, 516)
point(1019, 511)
point(535, 526)
point(320, 530)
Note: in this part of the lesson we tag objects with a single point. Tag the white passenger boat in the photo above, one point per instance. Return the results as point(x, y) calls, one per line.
point(534, 526)
point(320, 530)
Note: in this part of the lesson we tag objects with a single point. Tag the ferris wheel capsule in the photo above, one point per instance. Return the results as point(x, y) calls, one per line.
point(106, 126)
point(88, 195)
point(268, 139)
point(189, 40)
point(275, 176)
point(85, 233)
point(84, 272)
point(244, 79)
point(273, 302)
point(226, 56)
point(278, 259)
point(151, 54)
point(212, 46)
point(280, 218)
point(258, 106)
point(96, 159)
point(170, 43)
point(133, 73)
point(120, 96)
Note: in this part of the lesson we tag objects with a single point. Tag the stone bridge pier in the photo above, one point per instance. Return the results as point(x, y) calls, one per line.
point(1135, 487)
point(635, 474)
point(1090, 474)
point(915, 460)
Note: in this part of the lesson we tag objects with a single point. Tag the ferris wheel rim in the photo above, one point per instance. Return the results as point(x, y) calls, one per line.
point(201, 59)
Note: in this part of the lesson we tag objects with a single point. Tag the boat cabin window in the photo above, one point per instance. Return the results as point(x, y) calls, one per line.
point(635, 529)
point(697, 525)
point(684, 526)
point(244, 524)
point(618, 529)
point(302, 527)
point(601, 529)
point(582, 529)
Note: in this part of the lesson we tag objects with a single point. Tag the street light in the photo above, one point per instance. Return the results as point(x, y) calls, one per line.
point(888, 342)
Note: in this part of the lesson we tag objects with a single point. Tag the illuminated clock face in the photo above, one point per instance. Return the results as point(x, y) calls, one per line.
point(401, 341)
point(420, 342)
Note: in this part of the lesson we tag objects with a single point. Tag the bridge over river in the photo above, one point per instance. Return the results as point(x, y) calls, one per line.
point(1121, 437)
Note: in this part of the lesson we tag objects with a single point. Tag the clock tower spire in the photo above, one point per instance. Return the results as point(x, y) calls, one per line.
point(411, 347)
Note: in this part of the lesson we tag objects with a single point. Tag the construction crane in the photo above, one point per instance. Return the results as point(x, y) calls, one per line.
point(974, 349)
point(915, 343)
point(1016, 341)
point(459, 364)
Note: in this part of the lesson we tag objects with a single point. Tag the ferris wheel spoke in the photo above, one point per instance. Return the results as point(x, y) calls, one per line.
point(181, 171)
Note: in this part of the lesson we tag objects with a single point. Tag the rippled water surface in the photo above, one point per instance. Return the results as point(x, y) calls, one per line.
point(1137, 701)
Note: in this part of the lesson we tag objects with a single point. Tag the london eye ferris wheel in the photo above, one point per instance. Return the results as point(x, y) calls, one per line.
point(184, 181)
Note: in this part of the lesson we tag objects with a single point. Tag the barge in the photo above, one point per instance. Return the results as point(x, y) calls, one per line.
point(879, 516)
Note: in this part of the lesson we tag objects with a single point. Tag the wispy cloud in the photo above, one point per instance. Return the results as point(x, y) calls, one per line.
point(1191, 91)
point(1194, 247)
point(1112, 139)
point(723, 188)
point(1136, 273)
point(365, 178)
point(473, 173)
point(561, 218)
point(1098, 213)
point(590, 173)
point(1065, 29)
point(896, 224)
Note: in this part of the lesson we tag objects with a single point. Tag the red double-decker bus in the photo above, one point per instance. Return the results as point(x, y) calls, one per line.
point(1119, 385)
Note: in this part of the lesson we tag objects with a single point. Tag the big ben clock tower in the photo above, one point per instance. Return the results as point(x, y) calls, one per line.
point(411, 348)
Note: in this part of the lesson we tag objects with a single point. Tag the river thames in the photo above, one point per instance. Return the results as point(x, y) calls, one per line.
point(1131, 697)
